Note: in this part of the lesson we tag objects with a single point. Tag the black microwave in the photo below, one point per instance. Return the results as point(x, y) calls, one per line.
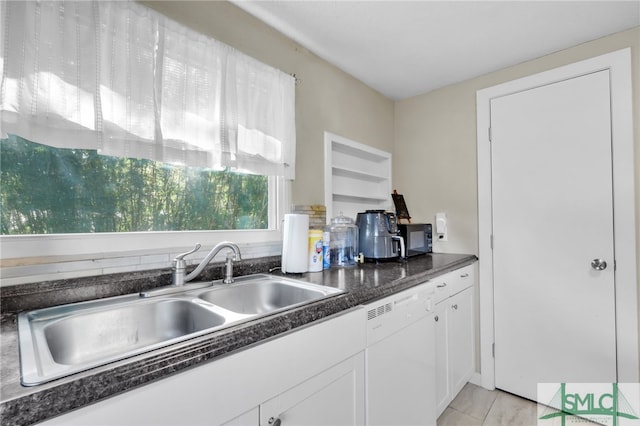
point(418, 238)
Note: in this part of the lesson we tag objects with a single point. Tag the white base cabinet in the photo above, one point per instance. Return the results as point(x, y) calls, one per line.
point(460, 327)
point(443, 387)
point(455, 359)
point(332, 398)
point(250, 418)
point(294, 376)
point(341, 388)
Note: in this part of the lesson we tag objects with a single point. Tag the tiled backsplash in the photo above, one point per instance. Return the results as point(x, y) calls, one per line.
point(56, 291)
point(90, 265)
point(317, 214)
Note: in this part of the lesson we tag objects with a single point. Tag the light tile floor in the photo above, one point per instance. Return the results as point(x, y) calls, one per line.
point(476, 406)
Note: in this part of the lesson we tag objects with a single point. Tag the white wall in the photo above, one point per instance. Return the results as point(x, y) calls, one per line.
point(435, 144)
point(434, 163)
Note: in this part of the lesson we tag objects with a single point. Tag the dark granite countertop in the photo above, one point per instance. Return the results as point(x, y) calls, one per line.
point(21, 405)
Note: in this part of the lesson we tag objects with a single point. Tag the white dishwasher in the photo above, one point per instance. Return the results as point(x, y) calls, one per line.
point(400, 359)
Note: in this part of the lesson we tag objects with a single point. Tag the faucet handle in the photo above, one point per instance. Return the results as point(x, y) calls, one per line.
point(180, 257)
point(179, 266)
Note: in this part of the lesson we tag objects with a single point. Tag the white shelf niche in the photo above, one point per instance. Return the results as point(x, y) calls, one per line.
point(357, 177)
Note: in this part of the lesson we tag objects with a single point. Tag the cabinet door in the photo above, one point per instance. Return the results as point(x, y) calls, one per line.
point(250, 418)
point(443, 390)
point(460, 337)
point(334, 397)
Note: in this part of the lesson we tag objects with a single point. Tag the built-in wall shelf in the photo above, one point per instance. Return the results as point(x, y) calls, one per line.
point(356, 174)
point(358, 198)
point(357, 177)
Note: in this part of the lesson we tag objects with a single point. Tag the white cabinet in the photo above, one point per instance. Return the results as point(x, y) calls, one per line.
point(443, 388)
point(332, 398)
point(460, 328)
point(357, 177)
point(341, 387)
point(454, 334)
point(250, 418)
point(317, 361)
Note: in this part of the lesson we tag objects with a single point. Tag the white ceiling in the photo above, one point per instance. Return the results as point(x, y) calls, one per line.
point(405, 48)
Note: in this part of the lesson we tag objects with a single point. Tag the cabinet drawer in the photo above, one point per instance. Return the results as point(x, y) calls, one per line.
point(442, 288)
point(461, 279)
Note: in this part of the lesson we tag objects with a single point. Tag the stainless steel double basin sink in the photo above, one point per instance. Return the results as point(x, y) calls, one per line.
point(63, 340)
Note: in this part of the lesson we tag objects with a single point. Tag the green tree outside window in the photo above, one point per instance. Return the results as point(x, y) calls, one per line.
point(46, 190)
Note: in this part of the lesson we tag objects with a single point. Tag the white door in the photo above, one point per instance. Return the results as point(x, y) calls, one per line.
point(552, 216)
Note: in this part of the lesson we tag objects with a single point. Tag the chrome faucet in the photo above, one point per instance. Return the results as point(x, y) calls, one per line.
point(180, 277)
point(180, 266)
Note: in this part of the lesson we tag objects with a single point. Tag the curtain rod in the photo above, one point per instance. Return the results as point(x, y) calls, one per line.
point(298, 81)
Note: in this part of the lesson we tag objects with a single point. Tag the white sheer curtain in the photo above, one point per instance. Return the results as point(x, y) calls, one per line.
point(256, 109)
point(128, 37)
point(49, 73)
point(123, 79)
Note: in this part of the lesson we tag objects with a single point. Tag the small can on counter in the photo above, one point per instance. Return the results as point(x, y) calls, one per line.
point(315, 250)
point(326, 253)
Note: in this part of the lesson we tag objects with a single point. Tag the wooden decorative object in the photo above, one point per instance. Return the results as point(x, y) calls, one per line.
point(401, 207)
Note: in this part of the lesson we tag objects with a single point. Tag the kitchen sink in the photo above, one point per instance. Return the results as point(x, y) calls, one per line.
point(63, 340)
point(265, 294)
point(87, 337)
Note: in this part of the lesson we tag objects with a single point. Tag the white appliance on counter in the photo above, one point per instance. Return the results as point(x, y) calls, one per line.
point(400, 359)
point(295, 240)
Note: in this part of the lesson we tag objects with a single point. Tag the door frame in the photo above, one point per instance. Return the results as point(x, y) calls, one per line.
point(627, 334)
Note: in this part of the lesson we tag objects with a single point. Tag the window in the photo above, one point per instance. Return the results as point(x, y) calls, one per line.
point(47, 190)
point(122, 130)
